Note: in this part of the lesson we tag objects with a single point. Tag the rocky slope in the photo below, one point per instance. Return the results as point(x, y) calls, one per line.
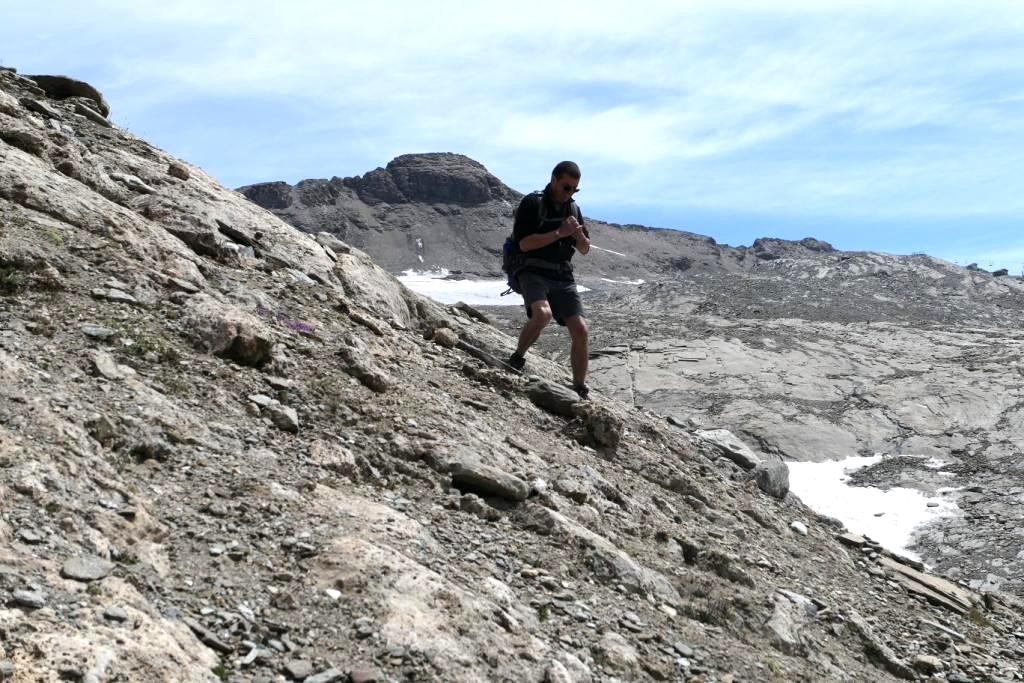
point(806, 352)
point(231, 451)
point(829, 356)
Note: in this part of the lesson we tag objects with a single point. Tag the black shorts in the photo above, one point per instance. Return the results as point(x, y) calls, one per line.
point(561, 296)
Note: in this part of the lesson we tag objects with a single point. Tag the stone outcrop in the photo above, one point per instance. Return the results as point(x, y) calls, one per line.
point(63, 87)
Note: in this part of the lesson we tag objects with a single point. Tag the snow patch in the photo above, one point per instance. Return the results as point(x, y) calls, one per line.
point(617, 253)
point(623, 282)
point(889, 517)
point(433, 284)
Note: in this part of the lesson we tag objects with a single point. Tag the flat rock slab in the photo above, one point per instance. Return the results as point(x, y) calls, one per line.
point(729, 445)
point(104, 365)
point(86, 569)
point(97, 331)
point(935, 589)
point(115, 295)
point(92, 115)
point(329, 676)
point(852, 540)
point(366, 676)
point(489, 481)
point(298, 669)
point(28, 599)
point(115, 614)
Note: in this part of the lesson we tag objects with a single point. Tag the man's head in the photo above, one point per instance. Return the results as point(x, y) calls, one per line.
point(565, 181)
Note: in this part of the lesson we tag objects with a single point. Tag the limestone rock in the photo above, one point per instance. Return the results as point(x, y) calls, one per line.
point(178, 171)
point(298, 669)
point(328, 676)
point(91, 114)
point(446, 337)
point(28, 599)
point(488, 481)
point(602, 428)
point(927, 664)
point(772, 476)
point(731, 447)
point(224, 330)
point(8, 105)
point(22, 137)
point(554, 397)
point(333, 243)
point(86, 568)
point(616, 654)
point(97, 331)
point(104, 365)
point(357, 362)
point(789, 616)
point(284, 418)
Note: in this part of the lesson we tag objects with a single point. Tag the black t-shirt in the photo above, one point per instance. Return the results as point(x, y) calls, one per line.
point(531, 220)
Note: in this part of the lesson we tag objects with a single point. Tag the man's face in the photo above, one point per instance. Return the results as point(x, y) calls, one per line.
point(563, 188)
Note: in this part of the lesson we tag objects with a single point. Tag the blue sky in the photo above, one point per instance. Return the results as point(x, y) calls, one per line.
point(873, 125)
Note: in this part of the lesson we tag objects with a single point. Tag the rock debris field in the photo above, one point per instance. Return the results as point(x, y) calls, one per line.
point(231, 450)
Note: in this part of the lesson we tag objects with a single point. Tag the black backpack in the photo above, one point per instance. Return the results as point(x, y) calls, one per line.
point(512, 257)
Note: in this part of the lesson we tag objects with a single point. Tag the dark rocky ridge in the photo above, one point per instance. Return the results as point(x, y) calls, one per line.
point(227, 453)
point(428, 211)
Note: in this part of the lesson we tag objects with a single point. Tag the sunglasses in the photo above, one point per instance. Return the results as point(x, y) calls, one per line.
point(570, 189)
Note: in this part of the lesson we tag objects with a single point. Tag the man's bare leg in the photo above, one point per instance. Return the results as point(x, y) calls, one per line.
point(580, 352)
point(540, 316)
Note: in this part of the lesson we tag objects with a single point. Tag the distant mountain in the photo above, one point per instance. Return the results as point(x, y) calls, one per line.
point(441, 210)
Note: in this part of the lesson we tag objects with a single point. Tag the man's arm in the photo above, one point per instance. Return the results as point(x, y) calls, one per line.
point(543, 239)
point(582, 240)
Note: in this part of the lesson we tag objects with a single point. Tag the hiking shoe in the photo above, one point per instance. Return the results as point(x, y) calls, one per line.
point(583, 390)
point(516, 361)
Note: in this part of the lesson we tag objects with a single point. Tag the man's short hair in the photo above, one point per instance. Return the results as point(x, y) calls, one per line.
point(568, 168)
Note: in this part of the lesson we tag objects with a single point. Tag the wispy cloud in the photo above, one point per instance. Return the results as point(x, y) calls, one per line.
point(846, 108)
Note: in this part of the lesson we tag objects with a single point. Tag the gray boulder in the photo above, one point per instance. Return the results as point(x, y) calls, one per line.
point(729, 445)
point(61, 87)
point(489, 481)
point(553, 397)
point(224, 330)
point(772, 477)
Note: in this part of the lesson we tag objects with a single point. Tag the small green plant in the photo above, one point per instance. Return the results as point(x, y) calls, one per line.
point(129, 558)
point(773, 666)
point(54, 236)
point(146, 343)
point(12, 280)
point(175, 385)
point(544, 612)
point(222, 671)
point(978, 618)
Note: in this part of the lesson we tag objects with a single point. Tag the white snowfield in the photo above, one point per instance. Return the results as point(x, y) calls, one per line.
point(889, 517)
point(473, 292)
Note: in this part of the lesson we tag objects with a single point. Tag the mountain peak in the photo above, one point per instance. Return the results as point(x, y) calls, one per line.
point(434, 178)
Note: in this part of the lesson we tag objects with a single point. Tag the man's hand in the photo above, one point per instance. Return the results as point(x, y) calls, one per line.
point(569, 227)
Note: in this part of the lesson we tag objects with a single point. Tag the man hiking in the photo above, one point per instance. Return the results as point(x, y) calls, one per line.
point(548, 231)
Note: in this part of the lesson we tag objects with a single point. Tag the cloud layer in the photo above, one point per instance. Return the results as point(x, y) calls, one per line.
point(847, 113)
